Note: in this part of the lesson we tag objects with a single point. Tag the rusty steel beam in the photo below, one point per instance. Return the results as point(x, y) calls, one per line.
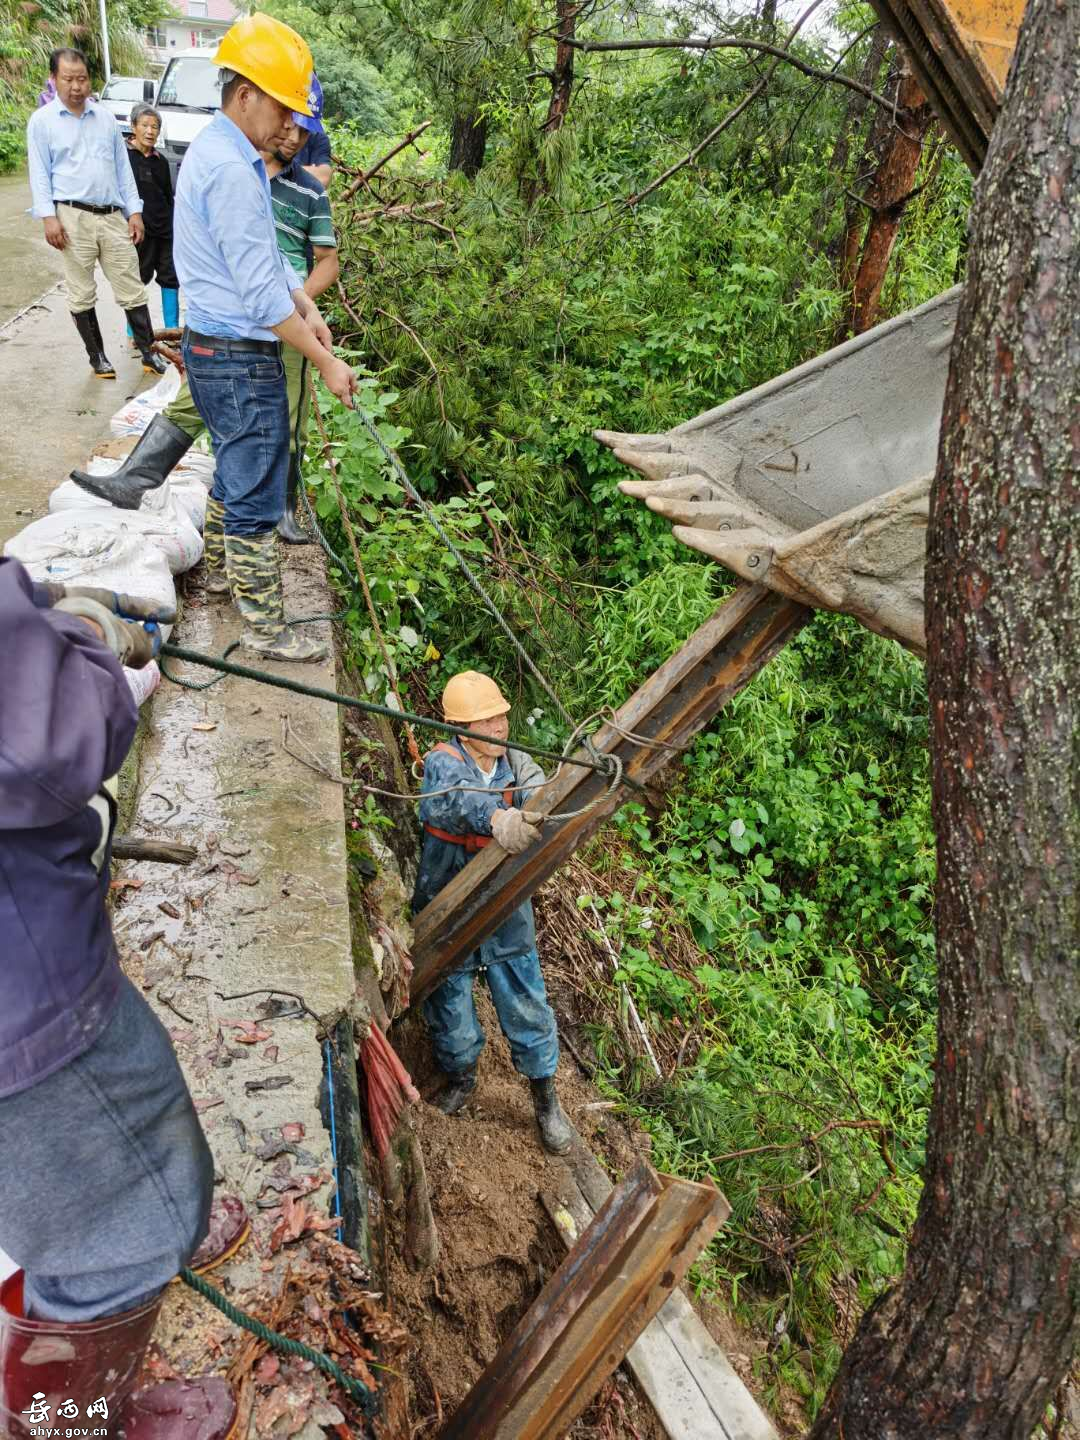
point(687, 691)
point(643, 1240)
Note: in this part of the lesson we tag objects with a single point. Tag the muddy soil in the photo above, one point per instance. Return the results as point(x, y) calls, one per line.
point(487, 1170)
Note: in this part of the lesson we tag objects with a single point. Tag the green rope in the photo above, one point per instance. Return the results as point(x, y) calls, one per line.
point(607, 765)
point(364, 1397)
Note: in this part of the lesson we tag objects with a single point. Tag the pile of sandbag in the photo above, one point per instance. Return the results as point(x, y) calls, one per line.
point(84, 540)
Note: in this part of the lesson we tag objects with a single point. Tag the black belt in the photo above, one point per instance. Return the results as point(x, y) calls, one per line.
point(220, 345)
point(93, 209)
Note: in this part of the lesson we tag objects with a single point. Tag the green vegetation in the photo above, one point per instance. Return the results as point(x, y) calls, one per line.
point(773, 914)
point(31, 29)
point(773, 917)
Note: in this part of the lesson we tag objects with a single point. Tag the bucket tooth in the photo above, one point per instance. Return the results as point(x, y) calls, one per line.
point(612, 438)
point(748, 552)
point(707, 514)
point(653, 466)
point(685, 487)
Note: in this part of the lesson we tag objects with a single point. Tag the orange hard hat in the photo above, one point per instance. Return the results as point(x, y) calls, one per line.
point(271, 55)
point(471, 696)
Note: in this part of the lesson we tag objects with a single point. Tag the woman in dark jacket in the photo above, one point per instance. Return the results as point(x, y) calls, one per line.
point(154, 181)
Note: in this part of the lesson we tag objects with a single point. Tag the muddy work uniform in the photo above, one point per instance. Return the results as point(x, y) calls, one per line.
point(105, 1176)
point(456, 826)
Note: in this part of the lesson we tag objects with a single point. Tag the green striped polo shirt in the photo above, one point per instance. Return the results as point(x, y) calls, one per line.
point(301, 215)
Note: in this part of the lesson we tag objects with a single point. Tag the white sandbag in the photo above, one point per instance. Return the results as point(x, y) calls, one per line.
point(176, 496)
point(189, 494)
point(76, 533)
point(143, 682)
point(74, 548)
point(197, 465)
point(135, 415)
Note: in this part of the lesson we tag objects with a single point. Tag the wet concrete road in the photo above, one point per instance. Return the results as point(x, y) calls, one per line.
point(52, 410)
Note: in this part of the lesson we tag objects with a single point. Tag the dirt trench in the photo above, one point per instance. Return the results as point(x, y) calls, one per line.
point(486, 1170)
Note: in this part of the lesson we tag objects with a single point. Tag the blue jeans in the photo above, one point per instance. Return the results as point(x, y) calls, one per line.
point(244, 403)
point(105, 1177)
point(520, 1000)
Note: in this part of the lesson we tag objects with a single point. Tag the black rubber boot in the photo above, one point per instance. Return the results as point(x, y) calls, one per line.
point(289, 528)
point(90, 334)
point(161, 446)
point(458, 1089)
point(555, 1130)
point(139, 320)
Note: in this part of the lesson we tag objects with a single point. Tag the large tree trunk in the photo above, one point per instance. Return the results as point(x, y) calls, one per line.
point(887, 199)
point(973, 1342)
point(468, 141)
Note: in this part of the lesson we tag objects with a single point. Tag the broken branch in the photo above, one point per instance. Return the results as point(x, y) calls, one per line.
point(374, 170)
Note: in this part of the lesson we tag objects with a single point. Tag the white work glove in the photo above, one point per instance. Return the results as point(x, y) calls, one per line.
point(513, 831)
point(132, 643)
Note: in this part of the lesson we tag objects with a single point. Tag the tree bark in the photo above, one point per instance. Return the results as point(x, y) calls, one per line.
point(845, 249)
point(562, 75)
point(887, 199)
point(468, 141)
point(974, 1340)
point(850, 132)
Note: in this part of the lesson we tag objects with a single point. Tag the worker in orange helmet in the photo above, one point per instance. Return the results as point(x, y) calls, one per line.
point(473, 793)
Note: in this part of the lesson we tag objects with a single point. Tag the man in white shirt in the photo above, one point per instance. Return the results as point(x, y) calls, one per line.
point(84, 191)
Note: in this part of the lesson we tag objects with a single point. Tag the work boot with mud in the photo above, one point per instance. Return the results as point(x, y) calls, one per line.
point(555, 1130)
point(457, 1090)
point(289, 527)
point(255, 580)
point(161, 446)
point(215, 578)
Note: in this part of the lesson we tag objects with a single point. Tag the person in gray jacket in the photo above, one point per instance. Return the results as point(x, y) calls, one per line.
point(106, 1178)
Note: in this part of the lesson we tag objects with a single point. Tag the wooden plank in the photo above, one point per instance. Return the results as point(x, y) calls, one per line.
point(636, 1250)
point(724, 1393)
point(687, 691)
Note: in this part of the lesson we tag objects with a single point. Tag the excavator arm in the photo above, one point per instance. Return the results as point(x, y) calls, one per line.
point(960, 52)
point(817, 483)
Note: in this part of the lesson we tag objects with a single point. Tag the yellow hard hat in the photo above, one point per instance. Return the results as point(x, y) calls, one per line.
point(471, 696)
point(271, 55)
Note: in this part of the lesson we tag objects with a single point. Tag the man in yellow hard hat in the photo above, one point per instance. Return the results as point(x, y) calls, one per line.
point(243, 300)
point(473, 793)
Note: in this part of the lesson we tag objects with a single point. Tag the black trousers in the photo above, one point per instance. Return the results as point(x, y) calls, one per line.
point(155, 261)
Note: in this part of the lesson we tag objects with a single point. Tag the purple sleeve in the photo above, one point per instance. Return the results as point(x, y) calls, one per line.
point(67, 715)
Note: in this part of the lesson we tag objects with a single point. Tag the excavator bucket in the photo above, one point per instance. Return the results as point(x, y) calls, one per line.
point(817, 483)
point(960, 52)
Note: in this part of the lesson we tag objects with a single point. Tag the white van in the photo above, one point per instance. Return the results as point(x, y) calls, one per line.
point(188, 94)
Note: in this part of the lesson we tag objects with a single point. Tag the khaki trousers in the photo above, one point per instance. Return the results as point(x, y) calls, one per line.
point(99, 239)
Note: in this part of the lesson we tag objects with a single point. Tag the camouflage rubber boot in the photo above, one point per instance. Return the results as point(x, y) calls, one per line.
point(217, 581)
point(255, 578)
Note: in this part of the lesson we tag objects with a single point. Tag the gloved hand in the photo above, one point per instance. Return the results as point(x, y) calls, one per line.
point(513, 831)
point(134, 643)
point(128, 607)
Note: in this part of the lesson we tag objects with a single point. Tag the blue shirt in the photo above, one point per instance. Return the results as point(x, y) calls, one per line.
point(225, 245)
point(78, 157)
point(315, 150)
